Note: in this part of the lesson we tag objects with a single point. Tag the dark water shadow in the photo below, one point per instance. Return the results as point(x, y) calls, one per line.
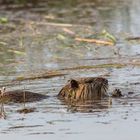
point(89, 106)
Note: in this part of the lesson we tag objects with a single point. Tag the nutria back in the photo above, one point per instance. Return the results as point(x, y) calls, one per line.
point(84, 89)
point(19, 96)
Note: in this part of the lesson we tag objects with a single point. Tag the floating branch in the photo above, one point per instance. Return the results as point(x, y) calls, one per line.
point(97, 41)
point(39, 76)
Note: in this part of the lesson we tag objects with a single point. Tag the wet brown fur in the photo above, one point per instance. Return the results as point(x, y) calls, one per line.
point(17, 96)
point(84, 89)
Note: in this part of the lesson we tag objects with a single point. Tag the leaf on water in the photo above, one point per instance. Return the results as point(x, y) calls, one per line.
point(3, 43)
point(61, 37)
point(20, 78)
point(17, 52)
point(3, 20)
point(109, 36)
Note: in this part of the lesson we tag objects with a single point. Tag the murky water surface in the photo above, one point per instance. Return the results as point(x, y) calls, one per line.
point(35, 41)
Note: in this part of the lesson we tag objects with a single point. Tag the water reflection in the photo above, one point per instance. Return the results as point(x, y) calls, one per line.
point(118, 15)
point(47, 52)
point(89, 106)
point(122, 17)
point(6, 59)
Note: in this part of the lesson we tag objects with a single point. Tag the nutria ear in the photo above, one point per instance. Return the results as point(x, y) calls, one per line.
point(73, 83)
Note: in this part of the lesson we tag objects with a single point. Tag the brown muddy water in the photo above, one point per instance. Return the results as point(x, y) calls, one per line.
point(40, 39)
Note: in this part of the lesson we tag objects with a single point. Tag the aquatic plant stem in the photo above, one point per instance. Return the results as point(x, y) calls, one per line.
point(95, 41)
point(24, 98)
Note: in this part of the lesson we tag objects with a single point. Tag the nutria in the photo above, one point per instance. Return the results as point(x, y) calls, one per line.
point(19, 96)
point(85, 89)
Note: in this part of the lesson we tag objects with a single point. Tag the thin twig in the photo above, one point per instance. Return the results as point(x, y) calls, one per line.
point(24, 98)
point(94, 41)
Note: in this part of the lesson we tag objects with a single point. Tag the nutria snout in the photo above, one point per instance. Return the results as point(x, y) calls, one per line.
point(85, 88)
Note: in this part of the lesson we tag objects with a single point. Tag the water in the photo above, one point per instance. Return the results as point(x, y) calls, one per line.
point(45, 50)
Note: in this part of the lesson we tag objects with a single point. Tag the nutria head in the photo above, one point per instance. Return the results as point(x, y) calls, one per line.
point(85, 88)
